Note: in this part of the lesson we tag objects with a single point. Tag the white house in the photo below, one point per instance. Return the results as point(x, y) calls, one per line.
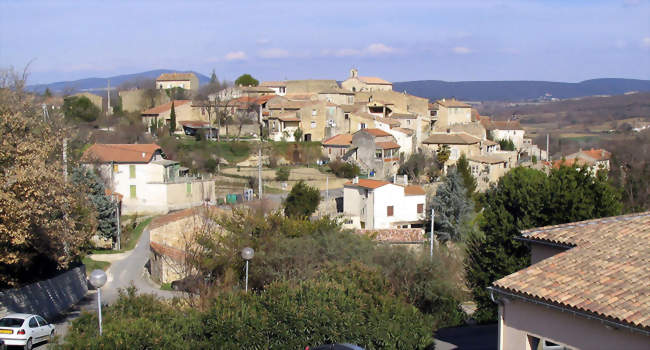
point(374, 204)
point(148, 182)
point(505, 130)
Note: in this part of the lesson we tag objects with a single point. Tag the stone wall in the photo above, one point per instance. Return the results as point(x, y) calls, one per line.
point(48, 298)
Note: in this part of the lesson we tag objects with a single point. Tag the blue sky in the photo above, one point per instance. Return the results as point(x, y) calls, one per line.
point(397, 40)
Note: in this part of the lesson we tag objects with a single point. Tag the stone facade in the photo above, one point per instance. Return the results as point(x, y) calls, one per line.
point(137, 100)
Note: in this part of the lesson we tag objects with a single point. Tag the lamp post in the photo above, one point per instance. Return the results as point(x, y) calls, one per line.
point(97, 280)
point(247, 254)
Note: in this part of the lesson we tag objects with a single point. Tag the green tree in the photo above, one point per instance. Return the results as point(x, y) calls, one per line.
point(507, 145)
point(96, 193)
point(213, 78)
point(172, 120)
point(302, 201)
point(443, 154)
point(453, 209)
point(282, 174)
point(526, 198)
point(464, 170)
point(80, 108)
point(297, 135)
point(47, 93)
point(246, 80)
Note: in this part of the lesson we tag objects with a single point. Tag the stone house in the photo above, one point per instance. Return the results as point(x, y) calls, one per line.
point(279, 87)
point(488, 168)
point(595, 158)
point(356, 83)
point(505, 130)
point(184, 110)
point(137, 100)
point(149, 183)
point(337, 96)
point(586, 288)
point(283, 126)
point(187, 81)
point(376, 151)
point(374, 204)
point(458, 143)
point(310, 86)
point(447, 112)
point(337, 146)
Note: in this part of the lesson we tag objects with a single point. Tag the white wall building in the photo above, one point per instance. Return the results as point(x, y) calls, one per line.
point(374, 204)
point(148, 182)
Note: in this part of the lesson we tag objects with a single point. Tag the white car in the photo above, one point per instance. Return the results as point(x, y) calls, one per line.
point(25, 330)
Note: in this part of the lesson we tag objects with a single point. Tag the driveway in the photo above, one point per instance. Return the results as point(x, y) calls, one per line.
point(484, 337)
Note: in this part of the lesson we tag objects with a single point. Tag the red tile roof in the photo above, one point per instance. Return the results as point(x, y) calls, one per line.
point(120, 153)
point(375, 80)
point(165, 107)
point(175, 76)
point(605, 274)
point(375, 132)
point(413, 190)
point(592, 155)
point(175, 254)
point(387, 145)
point(451, 139)
point(368, 183)
point(339, 140)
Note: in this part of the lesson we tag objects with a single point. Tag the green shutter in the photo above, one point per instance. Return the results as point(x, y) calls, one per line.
point(132, 171)
point(189, 188)
point(133, 191)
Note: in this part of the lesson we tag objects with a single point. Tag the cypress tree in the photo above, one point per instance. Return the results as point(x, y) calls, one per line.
point(172, 120)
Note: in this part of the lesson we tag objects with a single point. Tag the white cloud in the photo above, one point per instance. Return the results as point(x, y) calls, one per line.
point(235, 56)
point(645, 42)
point(461, 50)
point(379, 49)
point(274, 53)
point(263, 41)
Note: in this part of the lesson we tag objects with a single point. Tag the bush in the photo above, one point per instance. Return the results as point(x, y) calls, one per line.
point(344, 169)
point(282, 174)
point(302, 201)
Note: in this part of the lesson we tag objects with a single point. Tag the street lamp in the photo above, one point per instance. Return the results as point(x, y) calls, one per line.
point(97, 280)
point(247, 254)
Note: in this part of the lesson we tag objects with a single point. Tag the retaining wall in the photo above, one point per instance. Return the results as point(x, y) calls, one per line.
point(48, 298)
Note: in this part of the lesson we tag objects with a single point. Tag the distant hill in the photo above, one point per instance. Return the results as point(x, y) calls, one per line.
point(90, 84)
point(519, 90)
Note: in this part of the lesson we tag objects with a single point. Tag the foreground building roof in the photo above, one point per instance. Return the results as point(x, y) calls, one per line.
point(120, 153)
point(175, 76)
point(339, 140)
point(604, 273)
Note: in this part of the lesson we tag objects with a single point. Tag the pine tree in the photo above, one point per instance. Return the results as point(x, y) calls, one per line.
point(106, 220)
point(172, 120)
point(464, 170)
point(302, 201)
point(453, 209)
point(213, 78)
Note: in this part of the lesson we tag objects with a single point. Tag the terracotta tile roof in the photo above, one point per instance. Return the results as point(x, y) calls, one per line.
point(375, 132)
point(486, 159)
point(606, 274)
point(404, 130)
point(110, 193)
point(339, 140)
point(374, 80)
point(592, 155)
point(182, 214)
point(165, 107)
point(273, 84)
point(175, 76)
point(120, 153)
point(173, 253)
point(413, 190)
point(489, 124)
point(451, 139)
point(367, 183)
point(452, 102)
point(387, 145)
point(263, 99)
point(570, 162)
point(388, 121)
point(403, 116)
point(395, 235)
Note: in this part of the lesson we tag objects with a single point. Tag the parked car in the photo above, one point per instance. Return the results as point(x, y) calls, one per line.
point(344, 346)
point(25, 330)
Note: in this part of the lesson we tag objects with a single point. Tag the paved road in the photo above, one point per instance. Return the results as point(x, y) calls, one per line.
point(130, 270)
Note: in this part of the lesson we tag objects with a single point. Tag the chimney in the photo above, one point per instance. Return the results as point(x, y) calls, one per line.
point(406, 180)
point(355, 180)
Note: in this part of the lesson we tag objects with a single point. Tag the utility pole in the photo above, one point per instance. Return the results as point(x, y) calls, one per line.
point(547, 155)
point(65, 159)
point(108, 93)
point(433, 211)
point(327, 188)
point(259, 170)
point(117, 216)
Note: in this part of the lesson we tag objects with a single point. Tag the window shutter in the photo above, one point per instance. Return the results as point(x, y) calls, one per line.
point(420, 208)
point(389, 210)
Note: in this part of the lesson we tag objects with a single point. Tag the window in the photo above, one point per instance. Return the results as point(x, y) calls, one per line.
point(362, 126)
point(132, 189)
point(33, 323)
point(389, 210)
point(329, 150)
point(41, 321)
point(378, 154)
point(347, 116)
point(408, 122)
point(115, 168)
point(188, 188)
point(420, 208)
point(131, 171)
point(313, 124)
point(313, 112)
